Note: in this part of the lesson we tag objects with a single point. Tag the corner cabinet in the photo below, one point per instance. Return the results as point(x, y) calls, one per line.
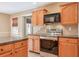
point(69, 13)
point(38, 16)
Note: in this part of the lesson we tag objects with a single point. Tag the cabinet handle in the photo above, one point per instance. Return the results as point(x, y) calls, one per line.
point(1, 49)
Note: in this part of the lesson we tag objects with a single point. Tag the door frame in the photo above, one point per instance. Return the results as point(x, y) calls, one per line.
point(23, 30)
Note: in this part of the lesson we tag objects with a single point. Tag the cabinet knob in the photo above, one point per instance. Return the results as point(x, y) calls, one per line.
point(21, 43)
point(15, 51)
point(1, 49)
point(10, 53)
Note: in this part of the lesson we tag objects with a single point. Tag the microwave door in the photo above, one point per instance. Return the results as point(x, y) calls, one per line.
point(52, 19)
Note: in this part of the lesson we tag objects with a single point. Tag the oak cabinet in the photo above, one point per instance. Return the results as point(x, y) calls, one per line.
point(21, 52)
point(21, 49)
point(69, 13)
point(34, 18)
point(30, 43)
point(6, 48)
point(34, 43)
point(41, 14)
point(68, 47)
point(78, 47)
point(15, 49)
point(8, 54)
point(38, 16)
point(20, 44)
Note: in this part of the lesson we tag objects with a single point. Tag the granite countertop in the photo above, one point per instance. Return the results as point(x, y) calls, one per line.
point(65, 36)
point(6, 40)
point(69, 36)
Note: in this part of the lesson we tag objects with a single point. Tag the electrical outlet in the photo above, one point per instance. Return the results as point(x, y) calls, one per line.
point(69, 28)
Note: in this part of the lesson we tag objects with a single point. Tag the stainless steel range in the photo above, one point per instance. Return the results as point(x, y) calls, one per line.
point(49, 43)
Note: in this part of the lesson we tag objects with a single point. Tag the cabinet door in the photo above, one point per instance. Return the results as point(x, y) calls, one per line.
point(41, 14)
point(8, 54)
point(40, 17)
point(68, 47)
point(67, 50)
point(34, 18)
point(78, 47)
point(30, 44)
point(22, 52)
point(69, 14)
point(36, 44)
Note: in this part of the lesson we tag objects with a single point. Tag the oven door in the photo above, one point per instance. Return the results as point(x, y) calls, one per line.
point(49, 46)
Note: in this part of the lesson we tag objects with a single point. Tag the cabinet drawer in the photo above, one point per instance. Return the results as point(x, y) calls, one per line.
point(6, 48)
point(8, 54)
point(68, 40)
point(20, 44)
point(22, 52)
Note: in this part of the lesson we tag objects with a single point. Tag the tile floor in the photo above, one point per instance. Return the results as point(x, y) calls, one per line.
point(31, 54)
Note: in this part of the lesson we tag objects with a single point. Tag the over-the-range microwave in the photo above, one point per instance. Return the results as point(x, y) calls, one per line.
point(52, 18)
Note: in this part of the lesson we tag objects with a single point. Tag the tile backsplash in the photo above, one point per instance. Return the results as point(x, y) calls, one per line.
point(43, 29)
point(70, 30)
point(67, 29)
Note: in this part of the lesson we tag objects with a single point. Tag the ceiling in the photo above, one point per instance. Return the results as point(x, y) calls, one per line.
point(13, 7)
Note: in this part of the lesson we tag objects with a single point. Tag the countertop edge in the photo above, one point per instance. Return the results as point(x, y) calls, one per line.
point(69, 37)
point(10, 42)
point(55, 36)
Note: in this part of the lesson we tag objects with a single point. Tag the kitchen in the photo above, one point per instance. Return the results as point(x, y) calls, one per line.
point(50, 30)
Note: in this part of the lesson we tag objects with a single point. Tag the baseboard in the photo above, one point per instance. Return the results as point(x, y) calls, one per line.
point(35, 52)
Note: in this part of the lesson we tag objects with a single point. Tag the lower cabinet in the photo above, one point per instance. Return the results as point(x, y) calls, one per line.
point(68, 50)
point(68, 47)
point(16, 49)
point(6, 48)
point(22, 52)
point(30, 43)
point(34, 43)
point(8, 54)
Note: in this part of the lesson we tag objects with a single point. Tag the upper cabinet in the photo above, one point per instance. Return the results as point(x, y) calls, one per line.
point(38, 16)
point(69, 13)
point(34, 18)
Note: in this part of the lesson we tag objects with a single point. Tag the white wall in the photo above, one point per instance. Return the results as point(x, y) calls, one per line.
point(4, 25)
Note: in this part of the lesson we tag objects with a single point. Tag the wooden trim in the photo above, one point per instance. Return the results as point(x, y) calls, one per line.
point(69, 4)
